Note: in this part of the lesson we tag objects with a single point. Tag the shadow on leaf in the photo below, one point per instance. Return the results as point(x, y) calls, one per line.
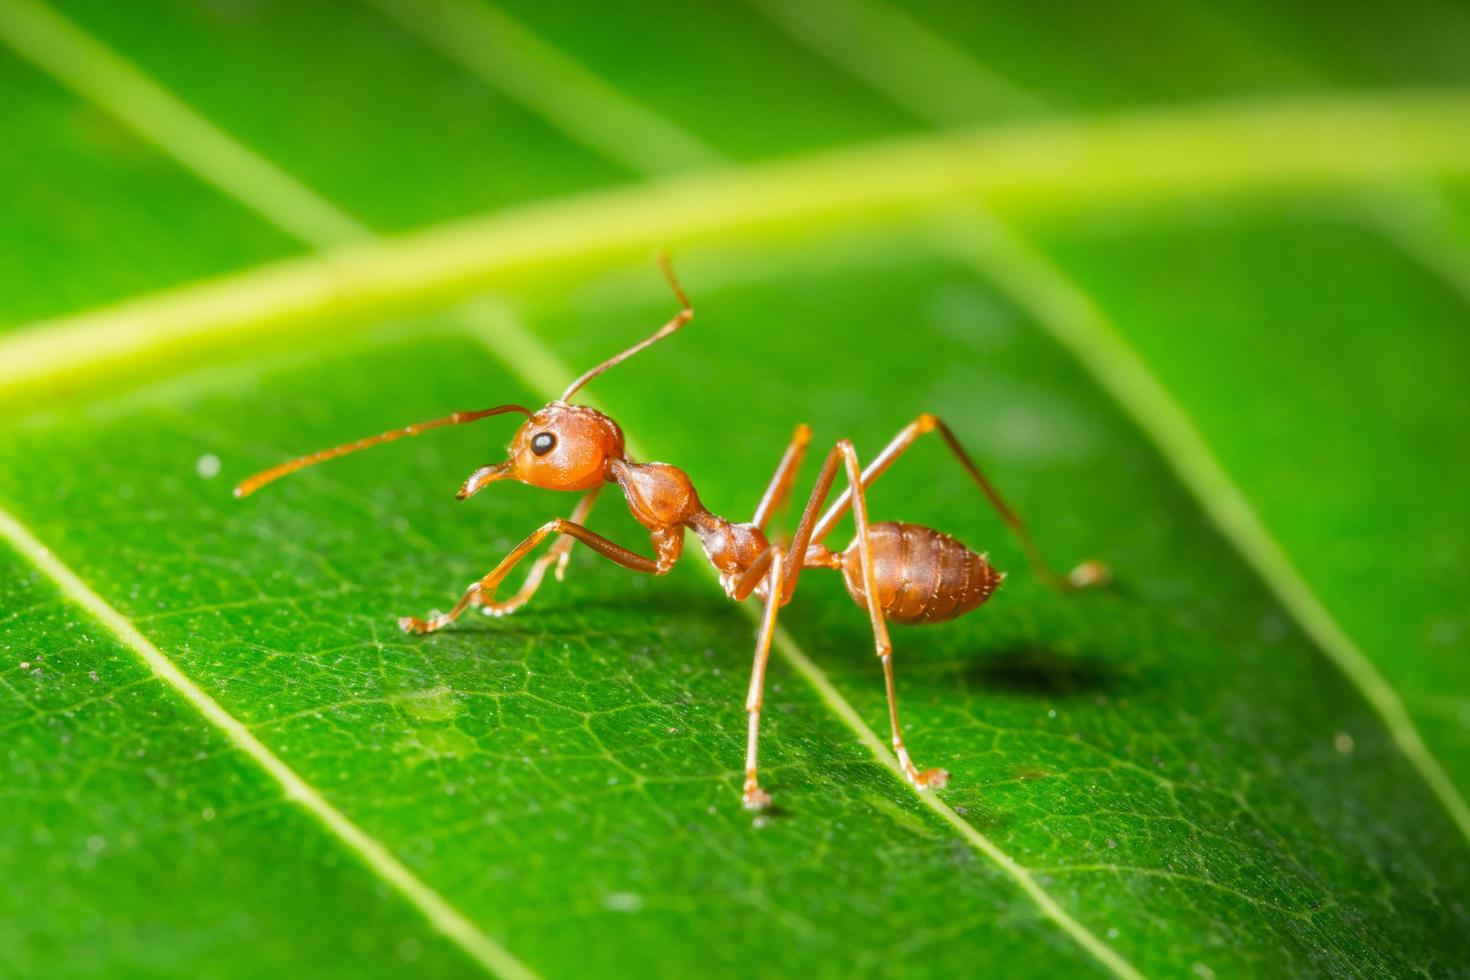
point(1041, 671)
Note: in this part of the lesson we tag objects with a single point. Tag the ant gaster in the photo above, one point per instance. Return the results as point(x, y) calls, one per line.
point(918, 574)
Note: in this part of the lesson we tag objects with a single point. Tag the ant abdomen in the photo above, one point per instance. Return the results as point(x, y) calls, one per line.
point(921, 575)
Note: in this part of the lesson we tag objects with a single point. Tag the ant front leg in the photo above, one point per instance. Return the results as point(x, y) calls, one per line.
point(559, 554)
point(668, 543)
point(929, 778)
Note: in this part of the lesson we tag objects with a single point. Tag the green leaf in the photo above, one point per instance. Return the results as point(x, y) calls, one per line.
point(1218, 345)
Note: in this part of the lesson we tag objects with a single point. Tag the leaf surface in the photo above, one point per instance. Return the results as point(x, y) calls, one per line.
point(1175, 775)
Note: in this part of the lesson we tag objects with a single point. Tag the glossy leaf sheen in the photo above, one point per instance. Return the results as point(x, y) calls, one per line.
point(1174, 764)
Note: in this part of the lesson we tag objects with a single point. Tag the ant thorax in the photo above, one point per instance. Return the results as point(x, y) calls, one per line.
point(659, 495)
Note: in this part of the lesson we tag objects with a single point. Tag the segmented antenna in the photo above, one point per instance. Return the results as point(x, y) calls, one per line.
point(254, 483)
point(685, 314)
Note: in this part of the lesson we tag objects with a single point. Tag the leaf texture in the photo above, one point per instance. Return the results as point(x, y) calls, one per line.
point(1188, 773)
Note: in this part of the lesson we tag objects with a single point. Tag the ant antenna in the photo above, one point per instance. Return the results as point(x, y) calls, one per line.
point(685, 314)
point(254, 483)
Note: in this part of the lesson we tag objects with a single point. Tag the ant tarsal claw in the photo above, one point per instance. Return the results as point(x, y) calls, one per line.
point(929, 779)
point(755, 798)
point(497, 609)
point(1089, 573)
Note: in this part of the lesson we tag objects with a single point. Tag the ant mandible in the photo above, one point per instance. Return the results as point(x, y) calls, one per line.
point(918, 574)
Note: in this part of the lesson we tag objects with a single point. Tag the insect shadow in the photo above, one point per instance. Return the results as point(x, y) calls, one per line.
point(1040, 671)
point(1026, 669)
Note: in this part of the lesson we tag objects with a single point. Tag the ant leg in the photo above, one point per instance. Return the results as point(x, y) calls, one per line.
point(796, 557)
point(754, 797)
point(782, 479)
point(559, 553)
point(1088, 573)
point(929, 778)
point(668, 546)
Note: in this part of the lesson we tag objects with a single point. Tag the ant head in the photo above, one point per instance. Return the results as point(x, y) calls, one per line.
point(568, 447)
point(560, 447)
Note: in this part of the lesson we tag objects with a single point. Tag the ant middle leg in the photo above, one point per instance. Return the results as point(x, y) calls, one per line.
point(753, 796)
point(928, 778)
point(1088, 573)
point(667, 545)
point(780, 485)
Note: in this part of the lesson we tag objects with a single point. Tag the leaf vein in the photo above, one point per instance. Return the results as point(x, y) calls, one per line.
point(435, 909)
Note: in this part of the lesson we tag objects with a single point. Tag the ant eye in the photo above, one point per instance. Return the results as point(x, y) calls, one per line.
point(543, 443)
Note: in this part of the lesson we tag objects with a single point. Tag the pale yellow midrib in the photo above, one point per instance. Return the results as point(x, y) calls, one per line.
point(1236, 146)
point(439, 913)
point(543, 363)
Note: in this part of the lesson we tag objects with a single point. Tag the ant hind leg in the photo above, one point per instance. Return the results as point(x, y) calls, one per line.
point(928, 778)
point(1089, 573)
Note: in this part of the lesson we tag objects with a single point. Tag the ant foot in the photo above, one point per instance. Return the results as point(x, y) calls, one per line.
point(412, 624)
point(1091, 572)
point(929, 778)
point(490, 607)
point(755, 798)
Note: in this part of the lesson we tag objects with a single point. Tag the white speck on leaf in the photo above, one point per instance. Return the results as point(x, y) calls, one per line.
point(207, 466)
point(1343, 742)
point(622, 902)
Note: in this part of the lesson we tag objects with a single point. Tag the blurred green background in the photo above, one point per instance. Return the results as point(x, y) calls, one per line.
point(1191, 280)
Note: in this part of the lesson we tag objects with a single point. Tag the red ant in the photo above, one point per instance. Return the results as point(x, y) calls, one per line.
point(919, 575)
